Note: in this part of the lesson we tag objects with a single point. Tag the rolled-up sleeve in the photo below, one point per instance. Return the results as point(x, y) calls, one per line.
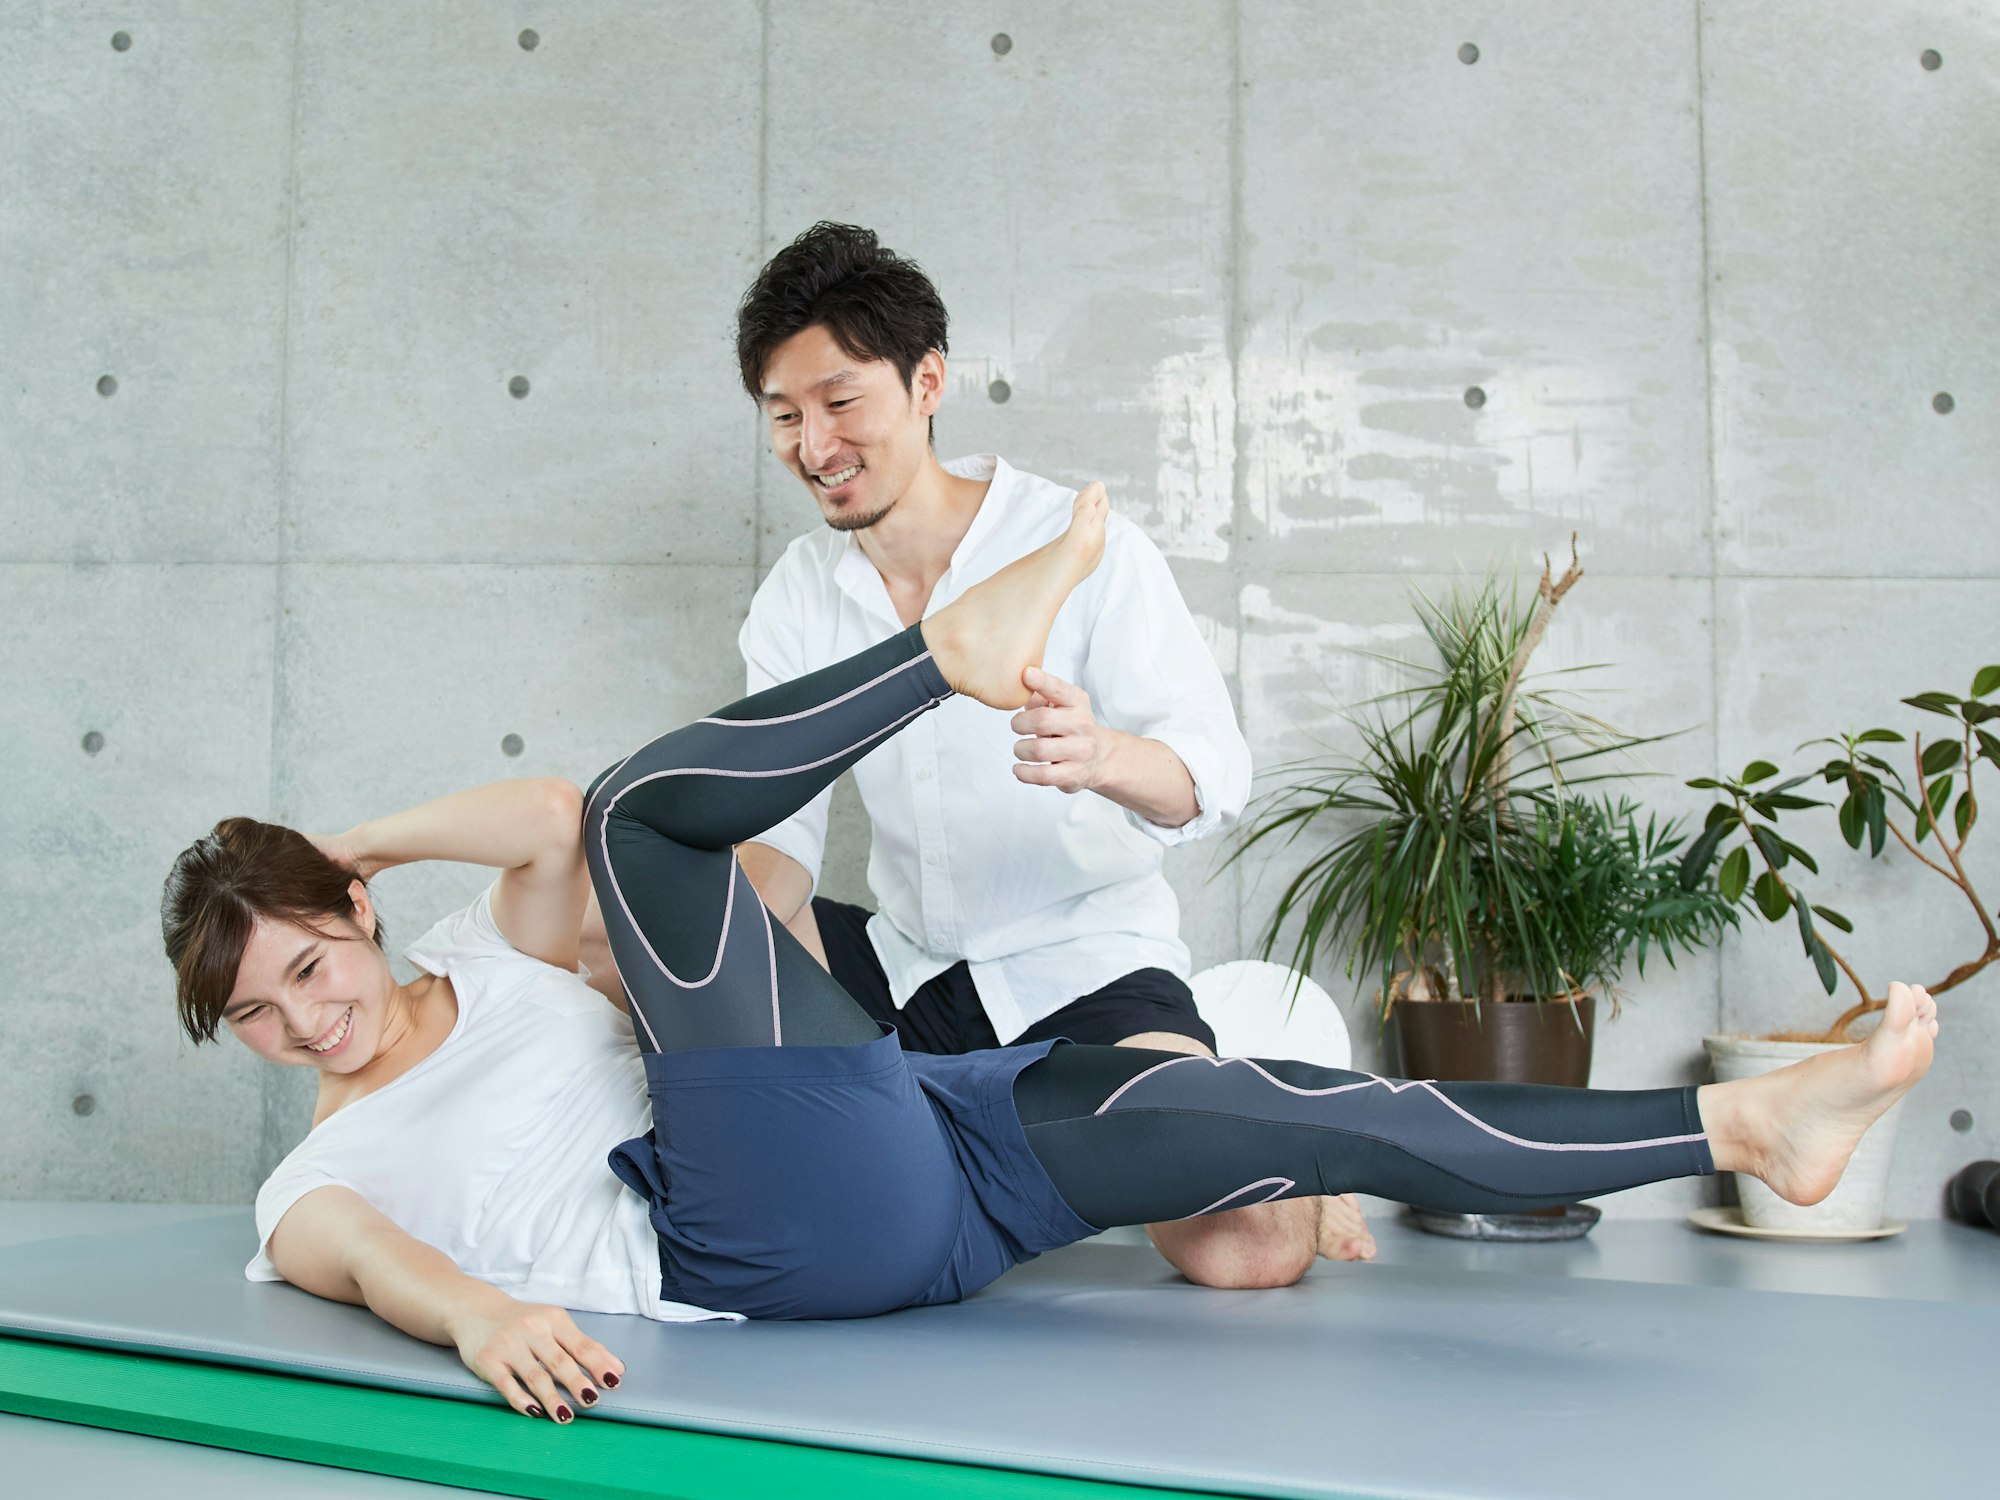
point(770, 642)
point(1150, 673)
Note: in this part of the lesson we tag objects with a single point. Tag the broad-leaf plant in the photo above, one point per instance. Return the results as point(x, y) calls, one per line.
point(1930, 814)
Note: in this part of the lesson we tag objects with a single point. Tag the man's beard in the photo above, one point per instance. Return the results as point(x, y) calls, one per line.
point(858, 523)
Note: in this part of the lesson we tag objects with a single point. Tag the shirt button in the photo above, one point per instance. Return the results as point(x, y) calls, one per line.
point(931, 858)
point(924, 774)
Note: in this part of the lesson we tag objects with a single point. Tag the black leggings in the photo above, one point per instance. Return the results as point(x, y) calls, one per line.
point(1127, 1137)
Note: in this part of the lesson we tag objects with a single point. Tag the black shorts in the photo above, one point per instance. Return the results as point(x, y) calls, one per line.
point(945, 1017)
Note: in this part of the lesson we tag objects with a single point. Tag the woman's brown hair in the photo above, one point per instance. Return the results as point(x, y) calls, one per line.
point(216, 891)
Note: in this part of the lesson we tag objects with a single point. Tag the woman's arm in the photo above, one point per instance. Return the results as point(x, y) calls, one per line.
point(532, 830)
point(333, 1244)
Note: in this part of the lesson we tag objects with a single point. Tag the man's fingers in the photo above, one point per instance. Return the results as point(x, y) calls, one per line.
point(1046, 720)
point(1053, 688)
point(1064, 778)
point(1050, 751)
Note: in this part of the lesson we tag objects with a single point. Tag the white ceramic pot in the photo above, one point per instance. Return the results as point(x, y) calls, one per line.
point(1857, 1202)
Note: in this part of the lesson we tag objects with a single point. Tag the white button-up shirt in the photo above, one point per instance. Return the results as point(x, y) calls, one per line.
point(1047, 896)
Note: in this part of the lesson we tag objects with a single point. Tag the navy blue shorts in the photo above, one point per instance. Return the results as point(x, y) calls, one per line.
point(839, 1182)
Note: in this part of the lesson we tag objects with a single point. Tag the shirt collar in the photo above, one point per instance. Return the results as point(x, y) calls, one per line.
point(855, 574)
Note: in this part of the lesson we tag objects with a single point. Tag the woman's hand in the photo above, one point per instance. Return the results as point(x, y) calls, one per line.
point(344, 849)
point(532, 1354)
point(335, 1244)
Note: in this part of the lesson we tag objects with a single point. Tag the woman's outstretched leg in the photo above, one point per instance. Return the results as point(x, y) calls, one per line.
point(1130, 1138)
point(703, 964)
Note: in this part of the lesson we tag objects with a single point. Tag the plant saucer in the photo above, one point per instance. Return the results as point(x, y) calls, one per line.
point(1730, 1221)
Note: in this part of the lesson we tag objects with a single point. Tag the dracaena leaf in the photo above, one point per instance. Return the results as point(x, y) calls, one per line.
point(1734, 876)
point(1828, 914)
point(1854, 818)
point(1772, 846)
point(1773, 900)
point(1964, 814)
point(1935, 703)
point(1758, 770)
point(1940, 757)
point(1694, 864)
point(1987, 679)
point(1878, 737)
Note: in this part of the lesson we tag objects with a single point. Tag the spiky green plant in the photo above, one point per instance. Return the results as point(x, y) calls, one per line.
point(1464, 863)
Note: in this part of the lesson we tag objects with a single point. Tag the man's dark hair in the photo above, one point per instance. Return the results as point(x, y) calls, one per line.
point(876, 304)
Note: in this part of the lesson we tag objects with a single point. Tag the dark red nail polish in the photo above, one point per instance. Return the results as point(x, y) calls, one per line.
point(536, 1411)
point(610, 1380)
point(589, 1396)
point(564, 1414)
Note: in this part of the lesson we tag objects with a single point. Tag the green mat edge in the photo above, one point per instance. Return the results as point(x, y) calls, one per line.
point(482, 1447)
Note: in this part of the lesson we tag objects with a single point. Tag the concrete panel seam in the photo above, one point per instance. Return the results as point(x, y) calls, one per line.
point(268, 1124)
point(757, 557)
point(1708, 436)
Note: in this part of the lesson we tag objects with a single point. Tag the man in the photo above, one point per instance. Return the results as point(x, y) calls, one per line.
point(1007, 911)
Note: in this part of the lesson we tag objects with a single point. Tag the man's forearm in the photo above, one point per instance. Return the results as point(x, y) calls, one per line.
point(1146, 777)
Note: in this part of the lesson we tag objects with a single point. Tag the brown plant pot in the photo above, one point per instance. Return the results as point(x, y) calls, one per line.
point(1513, 1041)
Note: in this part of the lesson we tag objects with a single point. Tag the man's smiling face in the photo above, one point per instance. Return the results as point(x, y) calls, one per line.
point(848, 427)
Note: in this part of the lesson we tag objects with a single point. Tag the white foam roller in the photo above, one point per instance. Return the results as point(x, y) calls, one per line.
point(1261, 1009)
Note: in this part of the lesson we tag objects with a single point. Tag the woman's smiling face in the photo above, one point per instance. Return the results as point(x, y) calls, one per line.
point(318, 999)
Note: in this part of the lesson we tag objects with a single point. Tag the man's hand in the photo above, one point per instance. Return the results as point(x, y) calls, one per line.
point(1066, 747)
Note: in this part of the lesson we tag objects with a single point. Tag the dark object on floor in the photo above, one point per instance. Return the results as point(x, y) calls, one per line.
point(1570, 1223)
point(1975, 1194)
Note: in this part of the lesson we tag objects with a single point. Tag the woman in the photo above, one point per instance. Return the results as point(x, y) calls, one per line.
point(798, 1164)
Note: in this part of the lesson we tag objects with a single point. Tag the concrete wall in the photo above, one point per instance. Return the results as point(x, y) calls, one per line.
point(1709, 264)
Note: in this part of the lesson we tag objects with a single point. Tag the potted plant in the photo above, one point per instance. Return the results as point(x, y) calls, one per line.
point(1465, 866)
point(1930, 816)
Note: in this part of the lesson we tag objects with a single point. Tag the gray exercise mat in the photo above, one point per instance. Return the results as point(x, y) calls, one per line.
point(1097, 1361)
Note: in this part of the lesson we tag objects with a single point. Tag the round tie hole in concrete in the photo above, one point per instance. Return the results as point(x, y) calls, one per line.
point(530, 40)
point(1942, 404)
point(93, 742)
point(1931, 60)
point(107, 386)
point(121, 41)
point(999, 392)
point(1468, 54)
point(1475, 397)
point(518, 387)
point(1961, 1121)
point(511, 745)
point(1002, 44)
point(83, 1104)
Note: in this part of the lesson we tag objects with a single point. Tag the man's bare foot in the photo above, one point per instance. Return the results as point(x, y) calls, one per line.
point(1796, 1128)
point(1343, 1232)
point(986, 638)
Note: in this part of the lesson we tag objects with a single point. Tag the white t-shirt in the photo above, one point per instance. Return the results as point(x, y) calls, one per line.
point(492, 1149)
point(1047, 896)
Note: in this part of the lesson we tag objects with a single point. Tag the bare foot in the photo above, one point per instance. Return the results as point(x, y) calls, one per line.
point(1795, 1128)
point(1343, 1232)
point(986, 638)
